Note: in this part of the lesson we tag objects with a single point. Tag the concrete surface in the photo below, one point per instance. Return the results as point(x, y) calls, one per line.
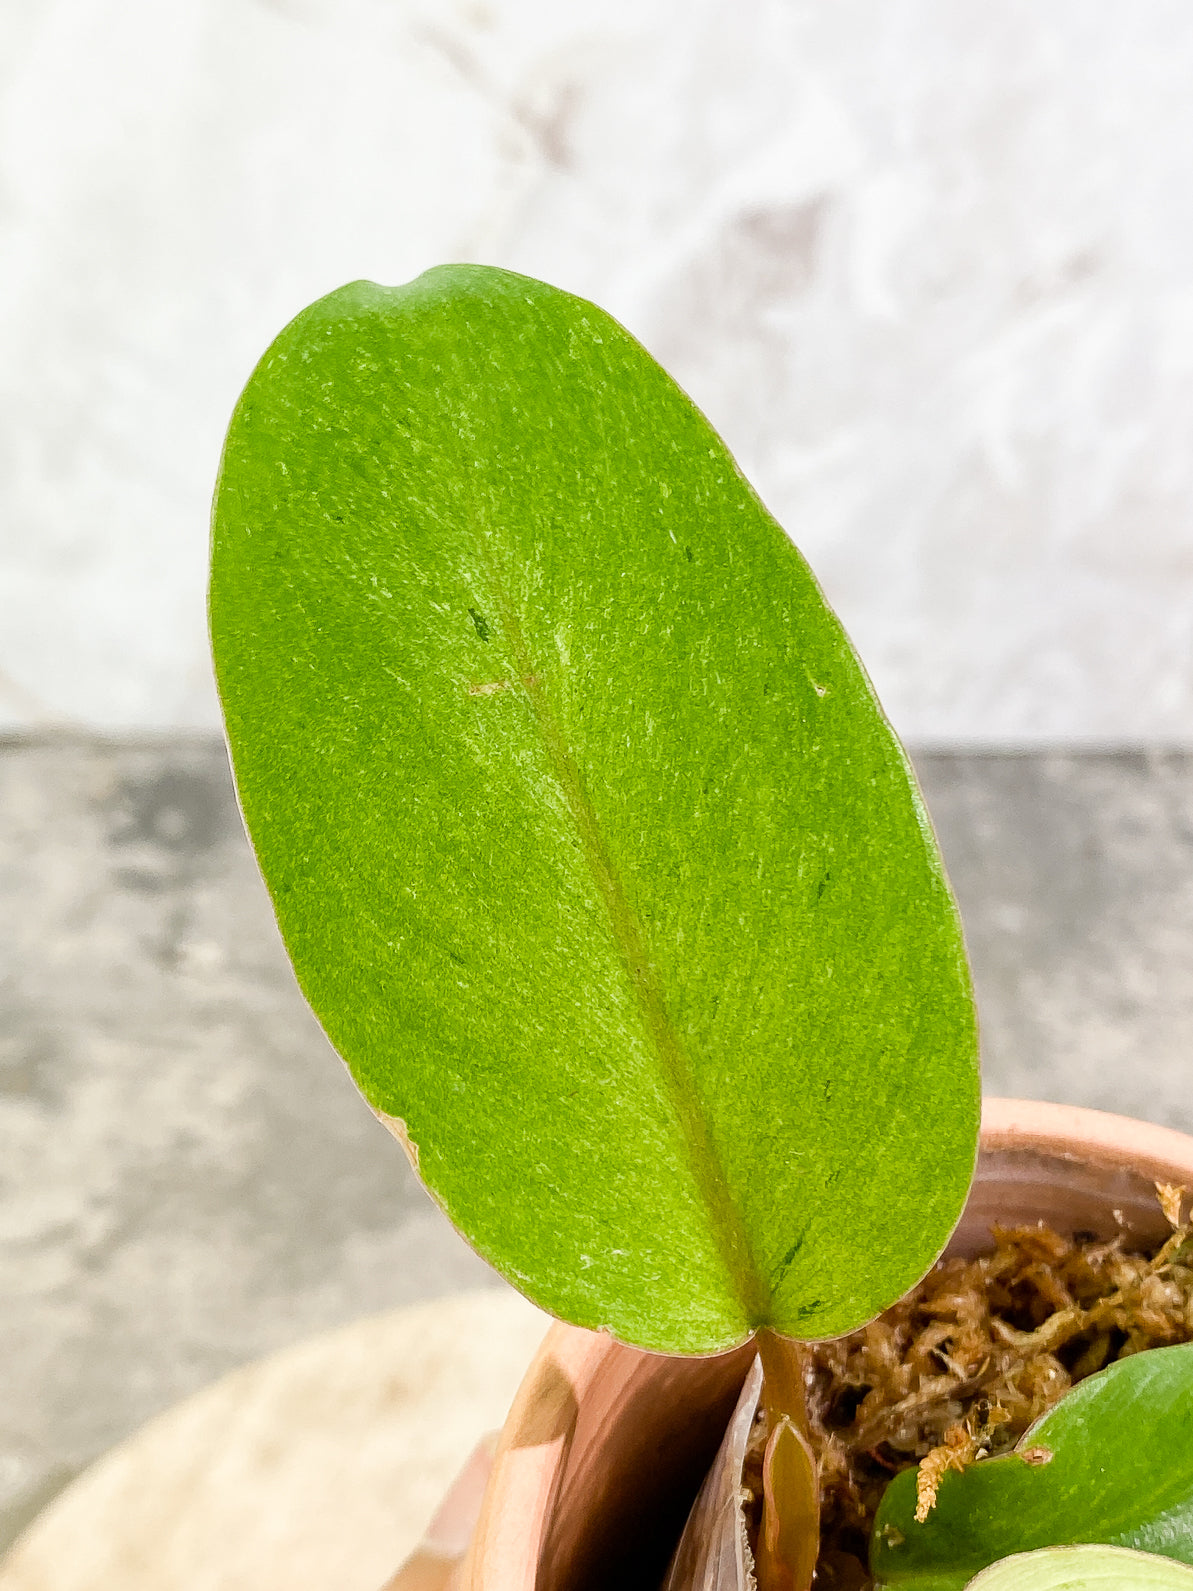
point(188, 1178)
point(316, 1468)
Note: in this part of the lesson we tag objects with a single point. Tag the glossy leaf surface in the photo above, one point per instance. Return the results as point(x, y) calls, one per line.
point(1088, 1568)
point(589, 843)
point(1120, 1472)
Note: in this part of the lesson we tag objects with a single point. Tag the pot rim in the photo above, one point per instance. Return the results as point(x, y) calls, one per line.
point(1098, 1137)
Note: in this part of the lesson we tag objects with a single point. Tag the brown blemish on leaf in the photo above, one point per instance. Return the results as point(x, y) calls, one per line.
point(1036, 1456)
point(398, 1127)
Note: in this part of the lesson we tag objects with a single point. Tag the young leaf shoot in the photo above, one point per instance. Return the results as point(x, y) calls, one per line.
point(1112, 1463)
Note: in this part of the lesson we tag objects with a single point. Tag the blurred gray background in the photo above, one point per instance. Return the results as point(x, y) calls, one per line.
point(928, 266)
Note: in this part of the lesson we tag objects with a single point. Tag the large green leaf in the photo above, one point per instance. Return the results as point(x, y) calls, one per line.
point(1083, 1568)
point(588, 840)
point(1120, 1471)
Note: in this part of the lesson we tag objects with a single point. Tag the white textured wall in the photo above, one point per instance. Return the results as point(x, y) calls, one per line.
point(928, 264)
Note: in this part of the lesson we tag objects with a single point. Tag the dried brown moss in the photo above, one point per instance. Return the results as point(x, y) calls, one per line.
point(965, 1363)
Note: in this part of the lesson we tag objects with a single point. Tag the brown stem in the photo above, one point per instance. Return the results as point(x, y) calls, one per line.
point(789, 1533)
point(784, 1388)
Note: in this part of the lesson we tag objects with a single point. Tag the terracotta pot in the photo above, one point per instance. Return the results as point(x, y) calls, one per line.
point(605, 1446)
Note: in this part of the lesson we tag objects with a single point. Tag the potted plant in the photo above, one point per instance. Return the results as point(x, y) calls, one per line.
point(573, 1509)
point(594, 853)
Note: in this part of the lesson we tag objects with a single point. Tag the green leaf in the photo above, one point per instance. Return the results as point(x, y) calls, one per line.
point(1120, 1472)
point(587, 838)
point(1085, 1568)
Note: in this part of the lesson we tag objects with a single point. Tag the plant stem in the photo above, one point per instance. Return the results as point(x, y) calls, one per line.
point(789, 1531)
point(784, 1366)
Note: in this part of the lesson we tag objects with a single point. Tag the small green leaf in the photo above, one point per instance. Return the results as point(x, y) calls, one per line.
point(590, 845)
point(1113, 1462)
point(1085, 1568)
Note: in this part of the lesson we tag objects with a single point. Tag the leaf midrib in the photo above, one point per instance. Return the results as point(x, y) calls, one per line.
point(725, 1219)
